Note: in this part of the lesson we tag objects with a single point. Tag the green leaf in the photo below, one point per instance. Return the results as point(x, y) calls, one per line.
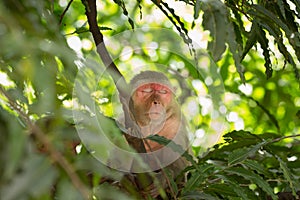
point(240, 191)
point(178, 24)
point(195, 195)
point(254, 178)
point(220, 189)
point(288, 175)
point(172, 182)
point(224, 66)
point(239, 155)
point(256, 166)
point(269, 19)
point(276, 33)
point(281, 5)
point(67, 191)
point(242, 135)
point(15, 150)
point(37, 176)
point(264, 43)
point(197, 8)
point(215, 19)
point(175, 147)
point(121, 4)
point(263, 13)
point(297, 3)
point(198, 177)
point(105, 189)
point(251, 41)
point(235, 50)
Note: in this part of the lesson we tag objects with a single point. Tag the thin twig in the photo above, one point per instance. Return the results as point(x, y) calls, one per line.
point(56, 156)
point(284, 137)
point(65, 11)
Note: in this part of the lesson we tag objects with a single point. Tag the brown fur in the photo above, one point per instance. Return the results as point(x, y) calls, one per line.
point(155, 96)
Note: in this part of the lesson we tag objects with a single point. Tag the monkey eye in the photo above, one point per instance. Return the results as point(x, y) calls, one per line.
point(163, 91)
point(147, 90)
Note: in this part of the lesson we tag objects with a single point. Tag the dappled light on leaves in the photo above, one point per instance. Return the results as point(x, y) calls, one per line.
point(235, 70)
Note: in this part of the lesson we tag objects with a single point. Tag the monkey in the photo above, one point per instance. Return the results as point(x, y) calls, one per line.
point(155, 110)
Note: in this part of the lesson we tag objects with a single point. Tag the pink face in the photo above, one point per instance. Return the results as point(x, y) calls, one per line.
point(151, 102)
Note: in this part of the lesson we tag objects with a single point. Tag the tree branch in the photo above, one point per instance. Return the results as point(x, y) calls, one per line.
point(91, 13)
point(122, 86)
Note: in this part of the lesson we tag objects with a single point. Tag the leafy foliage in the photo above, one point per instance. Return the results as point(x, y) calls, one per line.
point(45, 45)
point(244, 165)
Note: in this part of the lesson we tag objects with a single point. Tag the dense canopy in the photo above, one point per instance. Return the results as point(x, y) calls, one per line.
point(235, 65)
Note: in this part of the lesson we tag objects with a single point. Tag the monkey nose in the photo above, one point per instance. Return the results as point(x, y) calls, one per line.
point(156, 102)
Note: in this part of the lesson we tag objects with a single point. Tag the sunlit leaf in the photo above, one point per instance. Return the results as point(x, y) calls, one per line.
point(251, 40)
point(215, 19)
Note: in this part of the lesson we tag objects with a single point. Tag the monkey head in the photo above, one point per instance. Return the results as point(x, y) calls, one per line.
point(153, 107)
point(152, 101)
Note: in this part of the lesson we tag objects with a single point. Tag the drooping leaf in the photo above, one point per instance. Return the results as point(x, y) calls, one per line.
point(281, 5)
point(179, 25)
point(256, 166)
point(264, 13)
point(264, 43)
point(251, 40)
point(235, 49)
point(239, 155)
point(121, 3)
point(197, 9)
point(215, 18)
point(288, 175)
point(198, 177)
point(276, 33)
point(254, 178)
point(175, 147)
point(297, 5)
point(236, 187)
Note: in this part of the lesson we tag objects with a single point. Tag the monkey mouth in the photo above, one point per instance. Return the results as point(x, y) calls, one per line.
point(154, 113)
point(156, 116)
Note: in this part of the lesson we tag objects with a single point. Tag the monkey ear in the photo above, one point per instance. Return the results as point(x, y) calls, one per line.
point(175, 90)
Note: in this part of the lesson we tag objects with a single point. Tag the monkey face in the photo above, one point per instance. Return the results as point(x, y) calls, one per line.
point(150, 103)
